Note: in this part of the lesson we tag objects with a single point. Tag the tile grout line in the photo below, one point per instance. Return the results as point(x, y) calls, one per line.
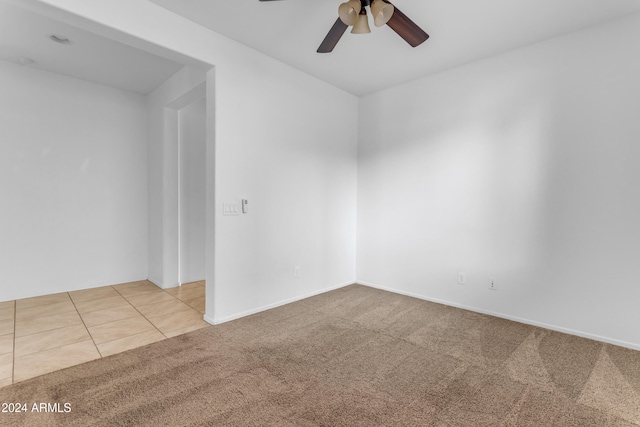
point(47, 330)
point(177, 299)
point(62, 327)
point(84, 324)
point(73, 302)
point(193, 299)
point(128, 302)
point(134, 335)
point(145, 317)
point(182, 301)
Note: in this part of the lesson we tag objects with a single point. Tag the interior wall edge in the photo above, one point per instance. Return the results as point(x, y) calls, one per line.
point(552, 327)
point(155, 281)
point(73, 289)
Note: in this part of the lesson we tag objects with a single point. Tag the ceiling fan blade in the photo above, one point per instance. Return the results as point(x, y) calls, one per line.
point(406, 28)
point(332, 38)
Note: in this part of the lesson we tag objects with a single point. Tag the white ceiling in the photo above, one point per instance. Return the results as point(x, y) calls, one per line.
point(461, 31)
point(291, 30)
point(91, 57)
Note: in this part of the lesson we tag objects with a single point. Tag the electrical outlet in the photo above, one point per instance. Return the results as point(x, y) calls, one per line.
point(462, 278)
point(492, 284)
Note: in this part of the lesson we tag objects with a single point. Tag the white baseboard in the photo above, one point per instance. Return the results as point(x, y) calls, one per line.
point(158, 283)
point(217, 321)
point(209, 320)
point(191, 280)
point(154, 281)
point(556, 328)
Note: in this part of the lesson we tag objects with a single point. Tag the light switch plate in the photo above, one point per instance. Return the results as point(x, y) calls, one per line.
point(231, 209)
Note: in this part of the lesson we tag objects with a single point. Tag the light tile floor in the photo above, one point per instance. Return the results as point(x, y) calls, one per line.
point(47, 333)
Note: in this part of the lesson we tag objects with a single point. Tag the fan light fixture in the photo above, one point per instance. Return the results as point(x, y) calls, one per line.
point(349, 12)
point(381, 12)
point(354, 14)
point(362, 24)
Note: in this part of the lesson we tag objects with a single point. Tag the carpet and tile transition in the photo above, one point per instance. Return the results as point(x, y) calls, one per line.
point(352, 357)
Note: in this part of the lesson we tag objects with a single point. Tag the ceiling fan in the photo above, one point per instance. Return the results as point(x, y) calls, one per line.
point(353, 14)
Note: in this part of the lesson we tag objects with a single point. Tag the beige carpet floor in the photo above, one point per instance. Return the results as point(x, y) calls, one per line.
point(352, 357)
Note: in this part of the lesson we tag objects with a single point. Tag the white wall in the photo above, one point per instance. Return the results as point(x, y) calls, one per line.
point(287, 143)
point(276, 136)
point(521, 167)
point(193, 191)
point(73, 181)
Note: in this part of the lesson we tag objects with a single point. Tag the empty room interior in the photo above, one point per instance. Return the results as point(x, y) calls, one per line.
point(170, 169)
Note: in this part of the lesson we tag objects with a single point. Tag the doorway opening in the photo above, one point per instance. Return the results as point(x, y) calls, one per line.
point(192, 192)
